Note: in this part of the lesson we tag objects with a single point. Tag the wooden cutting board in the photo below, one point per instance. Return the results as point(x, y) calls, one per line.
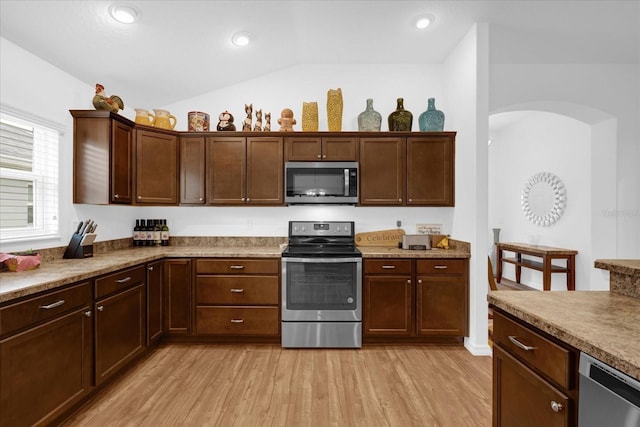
point(389, 238)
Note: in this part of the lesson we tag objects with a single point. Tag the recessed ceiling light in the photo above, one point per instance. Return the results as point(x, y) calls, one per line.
point(124, 14)
point(241, 39)
point(424, 21)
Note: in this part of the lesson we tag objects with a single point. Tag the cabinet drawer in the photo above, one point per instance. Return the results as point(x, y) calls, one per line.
point(31, 311)
point(237, 266)
point(387, 266)
point(120, 280)
point(440, 266)
point(539, 353)
point(239, 290)
point(237, 320)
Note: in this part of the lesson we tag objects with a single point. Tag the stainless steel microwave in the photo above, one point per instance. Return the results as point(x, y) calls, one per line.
point(322, 183)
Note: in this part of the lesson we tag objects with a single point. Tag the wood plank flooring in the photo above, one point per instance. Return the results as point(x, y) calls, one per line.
point(265, 385)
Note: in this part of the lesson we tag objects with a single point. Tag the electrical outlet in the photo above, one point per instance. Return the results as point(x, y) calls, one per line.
point(398, 223)
point(429, 228)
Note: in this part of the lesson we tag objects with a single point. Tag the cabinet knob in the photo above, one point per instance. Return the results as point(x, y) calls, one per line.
point(420, 281)
point(87, 313)
point(116, 196)
point(400, 200)
point(556, 407)
point(319, 156)
point(151, 268)
point(324, 156)
point(100, 308)
point(409, 281)
point(139, 197)
point(411, 200)
point(248, 199)
point(201, 199)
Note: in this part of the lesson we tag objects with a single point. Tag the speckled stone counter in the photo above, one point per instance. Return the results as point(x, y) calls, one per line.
point(603, 324)
point(115, 255)
point(56, 273)
point(624, 275)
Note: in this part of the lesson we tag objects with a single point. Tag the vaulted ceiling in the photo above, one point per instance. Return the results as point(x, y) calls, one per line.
point(179, 49)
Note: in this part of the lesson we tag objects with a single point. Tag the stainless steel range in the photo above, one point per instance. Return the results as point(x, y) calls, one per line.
point(321, 286)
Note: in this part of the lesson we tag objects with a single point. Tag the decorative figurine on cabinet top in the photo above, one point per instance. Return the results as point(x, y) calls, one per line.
point(246, 125)
point(267, 125)
point(226, 121)
point(431, 120)
point(286, 120)
point(109, 103)
point(258, 126)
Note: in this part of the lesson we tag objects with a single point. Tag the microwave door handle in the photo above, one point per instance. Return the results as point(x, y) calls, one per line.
point(346, 182)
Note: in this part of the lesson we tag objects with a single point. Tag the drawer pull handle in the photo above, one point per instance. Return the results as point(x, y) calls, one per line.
point(440, 267)
point(236, 291)
point(237, 320)
point(125, 280)
point(520, 345)
point(237, 267)
point(556, 407)
point(389, 267)
point(52, 305)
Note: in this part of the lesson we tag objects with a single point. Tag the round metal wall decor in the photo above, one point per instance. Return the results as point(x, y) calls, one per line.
point(544, 199)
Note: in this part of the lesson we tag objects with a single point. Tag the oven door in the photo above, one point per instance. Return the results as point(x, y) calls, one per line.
point(322, 289)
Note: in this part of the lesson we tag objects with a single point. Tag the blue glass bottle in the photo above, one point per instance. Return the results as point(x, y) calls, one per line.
point(431, 120)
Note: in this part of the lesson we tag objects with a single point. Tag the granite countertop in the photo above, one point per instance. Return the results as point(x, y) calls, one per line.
point(603, 324)
point(622, 266)
point(59, 272)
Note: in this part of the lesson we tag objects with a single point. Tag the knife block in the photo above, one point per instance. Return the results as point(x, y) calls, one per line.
point(80, 246)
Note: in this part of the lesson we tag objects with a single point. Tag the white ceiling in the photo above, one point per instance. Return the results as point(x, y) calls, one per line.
point(180, 49)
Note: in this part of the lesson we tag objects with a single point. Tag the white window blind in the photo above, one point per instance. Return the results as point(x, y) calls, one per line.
point(28, 179)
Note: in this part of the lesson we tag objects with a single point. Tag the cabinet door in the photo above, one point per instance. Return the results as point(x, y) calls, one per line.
point(339, 148)
point(226, 170)
point(192, 170)
point(154, 301)
point(46, 369)
point(265, 171)
point(382, 171)
point(523, 399)
point(387, 305)
point(303, 148)
point(120, 330)
point(156, 168)
point(121, 163)
point(177, 296)
point(430, 170)
point(441, 305)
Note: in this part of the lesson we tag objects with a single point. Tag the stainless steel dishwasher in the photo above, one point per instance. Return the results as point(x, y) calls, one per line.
point(608, 397)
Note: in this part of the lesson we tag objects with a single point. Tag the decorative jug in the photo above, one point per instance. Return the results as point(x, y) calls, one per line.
point(431, 120)
point(334, 110)
point(164, 119)
point(401, 119)
point(369, 120)
point(144, 117)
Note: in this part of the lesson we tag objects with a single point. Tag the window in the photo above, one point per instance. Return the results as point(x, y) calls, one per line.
point(28, 178)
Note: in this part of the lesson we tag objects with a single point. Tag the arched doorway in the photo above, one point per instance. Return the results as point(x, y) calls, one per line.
point(576, 143)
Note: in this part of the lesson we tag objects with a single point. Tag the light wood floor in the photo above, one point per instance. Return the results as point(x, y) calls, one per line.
point(247, 385)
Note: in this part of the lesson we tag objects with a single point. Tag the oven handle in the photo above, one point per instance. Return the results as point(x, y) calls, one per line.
point(322, 260)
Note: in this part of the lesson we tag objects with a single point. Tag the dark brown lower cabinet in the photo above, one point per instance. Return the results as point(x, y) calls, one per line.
point(154, 301)
point(416, 299)
point(120, 330)
point(535, 377)
point(177, 296)
point(46, 369)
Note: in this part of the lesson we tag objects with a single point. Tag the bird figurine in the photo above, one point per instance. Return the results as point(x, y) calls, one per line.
point(109, 103)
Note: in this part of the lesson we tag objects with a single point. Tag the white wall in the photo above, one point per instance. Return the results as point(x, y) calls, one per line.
point(543, 142)
point(605, 93)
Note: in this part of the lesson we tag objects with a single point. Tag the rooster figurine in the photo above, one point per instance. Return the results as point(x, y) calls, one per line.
point(103, 102)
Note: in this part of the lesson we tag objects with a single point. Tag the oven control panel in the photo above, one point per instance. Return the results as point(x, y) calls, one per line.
point(321, 228)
